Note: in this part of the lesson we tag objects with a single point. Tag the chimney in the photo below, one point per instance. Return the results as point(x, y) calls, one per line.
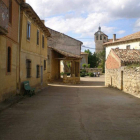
point(43, 21)
point(114, 37)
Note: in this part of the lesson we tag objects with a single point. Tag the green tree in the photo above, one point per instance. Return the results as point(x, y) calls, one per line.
point(93, 59)
point(84, 66)
point(101, 56)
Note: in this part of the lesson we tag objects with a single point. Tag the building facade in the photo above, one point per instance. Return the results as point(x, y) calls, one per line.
point(33, 48)
point(9, 47)
point(123, 70)
point(100, 38)
point(84, 59)
point(128, 42)
point(66, 49)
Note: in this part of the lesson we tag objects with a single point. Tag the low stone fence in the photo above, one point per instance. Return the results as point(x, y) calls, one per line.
point(93, 70)
point(126, 79)
point(72, 79)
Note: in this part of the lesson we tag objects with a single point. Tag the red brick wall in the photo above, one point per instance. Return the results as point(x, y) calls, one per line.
point(112, 62)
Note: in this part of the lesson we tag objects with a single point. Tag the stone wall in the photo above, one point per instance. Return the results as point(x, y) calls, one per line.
point(93, 70)
point(125, 78)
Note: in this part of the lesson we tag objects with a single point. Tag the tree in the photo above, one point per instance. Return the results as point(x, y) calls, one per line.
point(93, 59)
point(101, 56)
point(84, 66)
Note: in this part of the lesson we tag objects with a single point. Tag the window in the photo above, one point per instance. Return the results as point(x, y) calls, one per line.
point(9, 59)
point(28, 67)
point(100, 37)
point(10, 11)
point(42, 41)
point(97, 37)
point(44, 64)
point(105, 38)
point(37, 71)
point(37, 37)
point(128, 47)
point(28, 30)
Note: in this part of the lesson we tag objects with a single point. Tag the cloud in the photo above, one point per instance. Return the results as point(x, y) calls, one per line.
point(115, 8)
point(121, 32)
point(80, 25)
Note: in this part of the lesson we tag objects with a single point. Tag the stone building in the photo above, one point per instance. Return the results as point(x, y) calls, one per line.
point(84, 59)
point(123, 70)
point(66, 49)
point(100, 38)
point(33, 47)
point(131, 41)
point(9, 47)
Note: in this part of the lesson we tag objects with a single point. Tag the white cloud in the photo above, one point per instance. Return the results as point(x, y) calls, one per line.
point(115, 8)
point(82, 17)
point(137, 25)
point(84, 26)
point(121, 32)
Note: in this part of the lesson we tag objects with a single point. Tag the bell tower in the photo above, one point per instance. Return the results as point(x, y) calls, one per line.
point(100, 38)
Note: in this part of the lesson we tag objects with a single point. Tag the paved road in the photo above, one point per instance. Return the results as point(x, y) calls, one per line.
point(88, 111)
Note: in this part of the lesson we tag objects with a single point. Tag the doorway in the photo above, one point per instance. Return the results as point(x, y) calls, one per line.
point(121, 80)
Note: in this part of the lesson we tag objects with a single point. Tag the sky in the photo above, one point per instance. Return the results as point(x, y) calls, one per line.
point(80, 19)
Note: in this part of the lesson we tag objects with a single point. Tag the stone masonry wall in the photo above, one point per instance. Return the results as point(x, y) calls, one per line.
point(124, 78)
point(131, 82)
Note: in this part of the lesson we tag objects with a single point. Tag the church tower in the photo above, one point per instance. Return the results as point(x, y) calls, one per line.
point(100, 38)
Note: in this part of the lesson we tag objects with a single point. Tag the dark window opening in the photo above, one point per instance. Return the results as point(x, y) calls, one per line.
point(28, 66)
point(9, 60)
point(96, 37)
point(128, 47)
point(37, 71)
point(105, 38)
point(44, 64)
point(10, 11)
point(28, 30)
point(37, 37)
point(42, 41)
point(100, 37)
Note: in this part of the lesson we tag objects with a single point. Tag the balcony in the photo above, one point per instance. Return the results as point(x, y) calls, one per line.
point(3, 18)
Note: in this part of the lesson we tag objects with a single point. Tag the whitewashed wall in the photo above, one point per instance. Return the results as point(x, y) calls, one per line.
point(133, 45)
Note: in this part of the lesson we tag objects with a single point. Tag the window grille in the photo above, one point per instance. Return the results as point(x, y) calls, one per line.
point(9, 60)
point(28, 67)
point(37, 71)
point(37, 37)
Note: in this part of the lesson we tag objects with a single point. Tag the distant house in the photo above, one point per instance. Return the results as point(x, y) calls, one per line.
point(84, 59)
point(123, 70)
point(128, 42)
point(63, 49)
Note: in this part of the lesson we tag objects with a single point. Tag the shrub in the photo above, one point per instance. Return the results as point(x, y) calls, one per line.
point(83, 71)
point(62, 73)
point(91, 74)
point(82, 75)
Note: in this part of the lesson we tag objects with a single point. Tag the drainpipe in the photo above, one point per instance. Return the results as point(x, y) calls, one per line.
point(18, 70)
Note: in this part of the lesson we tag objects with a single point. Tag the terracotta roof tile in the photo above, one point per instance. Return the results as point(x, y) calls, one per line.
point(128, 55)
point(126, 38)
point(67, 54)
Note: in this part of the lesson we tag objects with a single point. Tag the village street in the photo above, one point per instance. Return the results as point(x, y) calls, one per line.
point(88, 111)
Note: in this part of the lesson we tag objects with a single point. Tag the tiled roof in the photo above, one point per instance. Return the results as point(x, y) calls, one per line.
point(128, 55)
point(67, 54)
point(126, 38)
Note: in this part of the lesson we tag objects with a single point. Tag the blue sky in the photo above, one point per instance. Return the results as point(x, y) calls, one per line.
point(80, 19)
